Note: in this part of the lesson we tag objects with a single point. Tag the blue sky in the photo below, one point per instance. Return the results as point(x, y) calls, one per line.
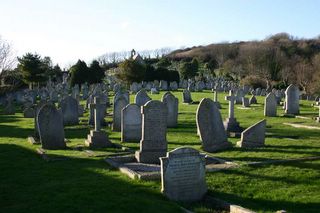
point(68, 30)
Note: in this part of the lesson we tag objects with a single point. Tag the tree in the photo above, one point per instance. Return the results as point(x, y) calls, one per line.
point(32, 69)
point(211, 65)
point(189, 69)
point(131, 71)
point(7, 58)
point(79, 73)
point(96, 73)
point(164, 62)
point(56, 73)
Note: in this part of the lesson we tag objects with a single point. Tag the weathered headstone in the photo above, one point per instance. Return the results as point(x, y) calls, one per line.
point(172, 104)
point(9, 108)
point(97, 138)
point(120, 103)
point(253, 136)
point(70, 111)
point(153, 143)
point(141, 98)
point(154, 91)
point(253, 100)
point(131, 123)
point(50, 126)
point(183, 175)
point(245, 102)
point(292, 100)
point(37, 109)
point(163, 85)
point(210, 127)
point(28, 112)
point(186, 96)
point(270, 105)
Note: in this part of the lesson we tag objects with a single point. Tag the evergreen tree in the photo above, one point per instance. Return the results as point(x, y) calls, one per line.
point(79, 73)
point(96, 73)
point(32, 69)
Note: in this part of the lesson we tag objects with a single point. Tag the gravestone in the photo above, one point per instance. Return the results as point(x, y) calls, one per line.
point(215, 99)
point(183, 175)
point(186, 96)
point(50, 126)
point(134, 87)
point(37, 109)
point(253, 136)
point(172, 104)
point(318, 118)
point(70, 111)
point(9, 108)
point(28, 112)
point(292, 100)
point(231, 124)
point(141, 98)
point(97, 138)
point(245, 102)
point(174, 85)
point(270, 105)
point(210, 127)
point(239, 96)
point(120, 93)
point(153, 143)
point(253, 100)
point(102, 111)
point(131, 123)
point(163, 85)
point(154, 91)
point(120, 103)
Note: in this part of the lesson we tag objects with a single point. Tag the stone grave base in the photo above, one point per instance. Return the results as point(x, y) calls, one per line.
point(232, 125)
point(149, 157)
point(128, 165)
point(318, 119)
point(97, 139)
point(219, 147)
point(248, 144)
point(34, 141)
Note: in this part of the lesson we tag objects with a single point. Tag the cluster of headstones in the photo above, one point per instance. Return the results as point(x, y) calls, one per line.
point(192, 85)
point(146, 121)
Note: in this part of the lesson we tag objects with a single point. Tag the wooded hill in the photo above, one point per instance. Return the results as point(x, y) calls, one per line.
point(276, 61)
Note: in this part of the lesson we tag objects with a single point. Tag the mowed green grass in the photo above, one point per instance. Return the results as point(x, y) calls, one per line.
point(87, 184)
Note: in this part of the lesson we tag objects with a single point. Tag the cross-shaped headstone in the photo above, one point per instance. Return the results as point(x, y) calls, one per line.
point(215, 95)
point(231, 98)
point(97, 120)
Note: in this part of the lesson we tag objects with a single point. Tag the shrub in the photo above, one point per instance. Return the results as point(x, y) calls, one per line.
point(254, 81)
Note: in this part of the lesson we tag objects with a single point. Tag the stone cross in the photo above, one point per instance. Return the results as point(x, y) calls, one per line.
point(231, 98)
point(97, 120)
point(215, 95)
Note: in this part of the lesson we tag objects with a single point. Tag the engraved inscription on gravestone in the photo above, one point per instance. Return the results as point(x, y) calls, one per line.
point(183, 175)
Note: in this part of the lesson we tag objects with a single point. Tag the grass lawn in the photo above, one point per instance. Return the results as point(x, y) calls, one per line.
point(87, 184)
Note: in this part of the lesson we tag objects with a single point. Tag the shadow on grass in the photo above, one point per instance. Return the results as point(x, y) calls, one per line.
point(8, 118)
point(28, 183)
point(300, 133)
point(15, 132)
point(263, 205)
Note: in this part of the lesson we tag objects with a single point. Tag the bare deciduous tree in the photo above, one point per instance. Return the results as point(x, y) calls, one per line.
point(7, 58)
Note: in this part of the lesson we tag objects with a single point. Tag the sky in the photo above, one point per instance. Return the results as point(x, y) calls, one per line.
point(68, 30)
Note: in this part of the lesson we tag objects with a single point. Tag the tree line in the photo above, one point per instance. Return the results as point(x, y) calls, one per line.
point(277, 61)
